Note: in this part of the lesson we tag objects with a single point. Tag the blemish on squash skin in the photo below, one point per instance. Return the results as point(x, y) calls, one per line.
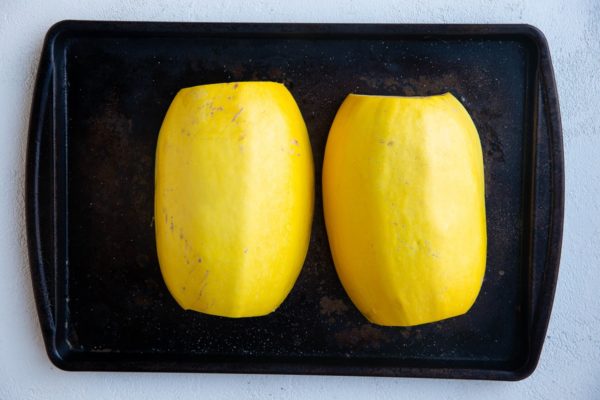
point(213, 109)
point(390, 143)
point(235, 85)
point(204, 281)
point(237, 114)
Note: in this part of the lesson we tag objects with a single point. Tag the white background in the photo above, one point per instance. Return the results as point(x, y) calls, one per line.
point(570, 362)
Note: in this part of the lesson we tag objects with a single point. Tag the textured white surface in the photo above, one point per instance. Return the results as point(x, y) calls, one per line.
point(570, 362)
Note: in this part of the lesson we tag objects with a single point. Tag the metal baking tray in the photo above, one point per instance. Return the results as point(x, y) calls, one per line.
point(100, 97)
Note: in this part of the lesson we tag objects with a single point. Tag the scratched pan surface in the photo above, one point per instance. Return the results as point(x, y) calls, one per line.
point(102, 91)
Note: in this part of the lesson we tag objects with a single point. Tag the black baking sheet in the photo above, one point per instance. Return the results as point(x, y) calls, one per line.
point(102, 91)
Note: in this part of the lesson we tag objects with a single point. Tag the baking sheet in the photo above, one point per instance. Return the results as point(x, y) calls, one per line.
point(102, 91)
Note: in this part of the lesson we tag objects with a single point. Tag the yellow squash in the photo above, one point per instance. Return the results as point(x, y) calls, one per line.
point(233, 198)
point(403, 192)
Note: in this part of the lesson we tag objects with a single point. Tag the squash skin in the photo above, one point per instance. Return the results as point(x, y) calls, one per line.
point(234, 197)
point(404, 204)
